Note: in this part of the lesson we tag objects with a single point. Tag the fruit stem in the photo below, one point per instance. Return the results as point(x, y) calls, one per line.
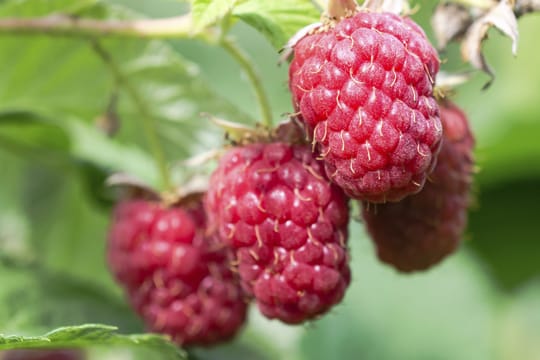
point(251, 71)
point(340, 8)
point(148, 123)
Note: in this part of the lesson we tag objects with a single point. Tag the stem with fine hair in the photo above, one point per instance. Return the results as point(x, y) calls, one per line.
point(148, 123)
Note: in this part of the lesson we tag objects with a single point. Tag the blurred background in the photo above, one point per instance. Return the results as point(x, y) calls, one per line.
point(481, 303)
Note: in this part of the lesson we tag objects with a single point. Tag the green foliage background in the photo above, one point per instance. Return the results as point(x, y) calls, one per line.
point(482, 303)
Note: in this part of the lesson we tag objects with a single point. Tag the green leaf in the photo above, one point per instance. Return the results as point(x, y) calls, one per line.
point(32, 133)
point(44, 7)
point(503, 230)
point(277, 20)
point(44, 76)
point(34, 299)
point(208, 12)
point(518, 336)
point(90, 335)
point(92, 146)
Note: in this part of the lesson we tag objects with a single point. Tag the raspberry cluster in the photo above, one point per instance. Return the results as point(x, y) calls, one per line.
point(177, 278)
point(274, 205)
point(272, 226)
point(364, 90)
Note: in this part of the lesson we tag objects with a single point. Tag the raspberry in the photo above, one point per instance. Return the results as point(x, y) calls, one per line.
point(43, 354)
point(422, 229)
point(364, 90)
point(177, 278)
point(288, 224)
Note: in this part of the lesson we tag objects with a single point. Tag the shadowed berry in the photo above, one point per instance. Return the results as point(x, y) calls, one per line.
point(364, 90)
point(288, 224)
point(422, 229)
point(178, 279)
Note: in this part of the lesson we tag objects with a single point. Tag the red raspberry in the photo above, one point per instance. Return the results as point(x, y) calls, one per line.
point(364, 89)
point(43, 354)
point(288, 224)
point(177, 279)
point(422, 229)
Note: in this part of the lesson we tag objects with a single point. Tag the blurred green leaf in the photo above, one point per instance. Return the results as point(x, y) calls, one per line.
point(68, 231)
point(511, 151)
point(90, 145)
point(504, 230)
point(208, 12)
point(518, 336)
point(277, 20)
point(44, 7)
point(232, 351)
point(90, 335)
point(32, 133)
point(63, 78)
point(34, 299)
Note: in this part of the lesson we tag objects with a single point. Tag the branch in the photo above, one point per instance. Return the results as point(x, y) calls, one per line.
point(174, 27)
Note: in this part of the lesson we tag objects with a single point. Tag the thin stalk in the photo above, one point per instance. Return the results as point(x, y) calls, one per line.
point(148, 123)
point(247, 65)
point(173, 27)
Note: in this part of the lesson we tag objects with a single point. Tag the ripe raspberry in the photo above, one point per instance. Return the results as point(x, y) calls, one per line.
point(364, 89)
point(177, 279)
point(43, 354)
point(288, 224)
point(422, 229)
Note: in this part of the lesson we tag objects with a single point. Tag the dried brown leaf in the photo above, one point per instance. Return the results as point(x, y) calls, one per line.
point(501, 17)
point(450, 21)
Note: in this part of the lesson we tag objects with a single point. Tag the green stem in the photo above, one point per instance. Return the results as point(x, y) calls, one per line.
point(148, 122)
point(247, 65)
point(174, 27)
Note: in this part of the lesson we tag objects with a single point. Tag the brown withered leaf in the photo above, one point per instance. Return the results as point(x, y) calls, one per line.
point(450, 21)
point(501, 17)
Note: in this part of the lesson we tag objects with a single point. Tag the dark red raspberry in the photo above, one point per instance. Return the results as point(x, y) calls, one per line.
point(178, 279)
point(273, 203)
point(422, 229)
point(364, 89)
point(43, 354)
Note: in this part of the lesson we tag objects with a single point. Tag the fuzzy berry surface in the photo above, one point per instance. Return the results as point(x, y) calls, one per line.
point(364, 90)
point(423, 229)
point(177, 278)
point(288, 224)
